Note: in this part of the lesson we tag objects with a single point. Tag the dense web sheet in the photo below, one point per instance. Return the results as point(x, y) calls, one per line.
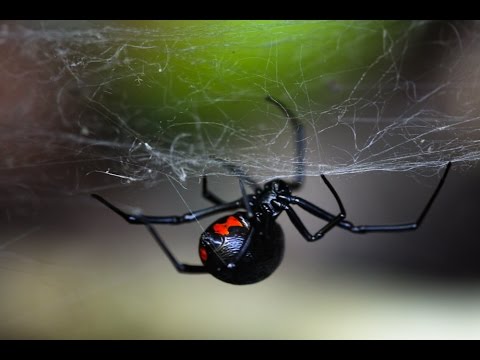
point(83, 77)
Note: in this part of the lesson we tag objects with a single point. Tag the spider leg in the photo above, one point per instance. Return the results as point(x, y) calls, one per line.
point(182, 268)
point(332, 220)
point(243, 179)
point(173, 220)
point(300, 142)
point(209, 195)
point(401, 227)
point(325, 215)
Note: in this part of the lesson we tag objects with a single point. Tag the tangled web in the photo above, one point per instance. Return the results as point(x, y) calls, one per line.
point(108, 99)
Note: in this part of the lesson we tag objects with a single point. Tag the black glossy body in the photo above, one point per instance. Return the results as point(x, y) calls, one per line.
point(246, 255)
point(247, 246)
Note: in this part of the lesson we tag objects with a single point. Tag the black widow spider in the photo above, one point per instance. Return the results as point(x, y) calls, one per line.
point(247, 246)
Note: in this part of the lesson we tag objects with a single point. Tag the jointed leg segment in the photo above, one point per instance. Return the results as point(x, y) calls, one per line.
point(173, 220)
point(338, 220)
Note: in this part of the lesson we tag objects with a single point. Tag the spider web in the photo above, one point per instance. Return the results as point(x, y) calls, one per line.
point(81, 94)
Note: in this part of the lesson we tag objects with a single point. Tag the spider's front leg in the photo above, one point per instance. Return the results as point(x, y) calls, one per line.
point(173, 220)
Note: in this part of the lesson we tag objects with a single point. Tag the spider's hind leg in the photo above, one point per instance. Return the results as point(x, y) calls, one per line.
point(182, 268)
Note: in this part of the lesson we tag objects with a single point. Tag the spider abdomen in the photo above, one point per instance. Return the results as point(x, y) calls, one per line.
point(237, 251)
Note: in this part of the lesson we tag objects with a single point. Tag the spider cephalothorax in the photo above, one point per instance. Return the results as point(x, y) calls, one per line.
point(269, 202)
point(247, 246)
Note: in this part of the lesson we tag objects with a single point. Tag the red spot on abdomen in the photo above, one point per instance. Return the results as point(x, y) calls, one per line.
point(222, 229)
point(203, 254)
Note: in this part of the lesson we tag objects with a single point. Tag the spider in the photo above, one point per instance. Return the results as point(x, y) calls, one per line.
point(247, 246)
